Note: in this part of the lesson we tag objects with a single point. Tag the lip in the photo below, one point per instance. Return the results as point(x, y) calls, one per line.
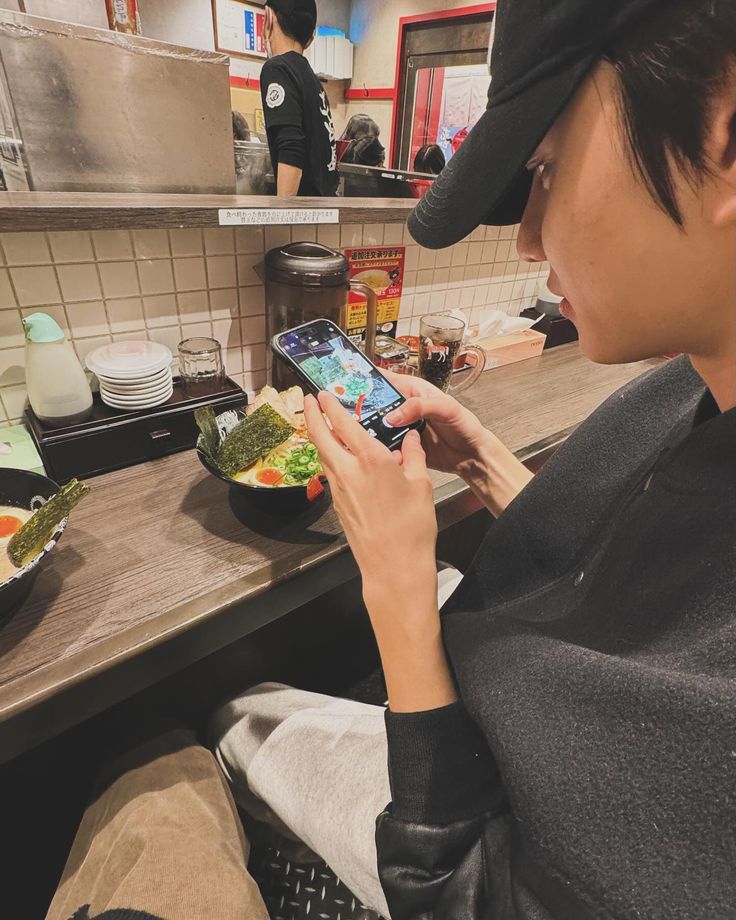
point(566, 309)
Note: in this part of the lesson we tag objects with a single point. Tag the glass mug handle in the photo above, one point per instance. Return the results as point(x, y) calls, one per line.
point(469, 377)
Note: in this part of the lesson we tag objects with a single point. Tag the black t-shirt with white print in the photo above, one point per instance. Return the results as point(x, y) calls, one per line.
point(294, 102)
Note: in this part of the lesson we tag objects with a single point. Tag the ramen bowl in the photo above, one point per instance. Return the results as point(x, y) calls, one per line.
point(28, 491)
point(272, 499)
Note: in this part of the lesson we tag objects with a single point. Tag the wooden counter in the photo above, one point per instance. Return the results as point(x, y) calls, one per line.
point(102, 210)
point(158, 552)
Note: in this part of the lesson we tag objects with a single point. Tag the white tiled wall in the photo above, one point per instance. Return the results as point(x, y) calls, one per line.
point(107, 285)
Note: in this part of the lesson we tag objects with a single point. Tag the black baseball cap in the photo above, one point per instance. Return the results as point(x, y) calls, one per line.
point(542, 50)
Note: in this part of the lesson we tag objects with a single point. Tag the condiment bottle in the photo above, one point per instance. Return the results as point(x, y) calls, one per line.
point(58, 389)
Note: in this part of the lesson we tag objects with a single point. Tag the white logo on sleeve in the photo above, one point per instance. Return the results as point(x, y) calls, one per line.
point(275, 95)
point(330, 128)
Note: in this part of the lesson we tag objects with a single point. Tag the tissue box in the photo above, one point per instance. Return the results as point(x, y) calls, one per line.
point(507, 349)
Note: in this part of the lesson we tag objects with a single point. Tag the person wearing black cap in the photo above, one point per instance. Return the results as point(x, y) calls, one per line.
point(560, 740)
point(301, 135)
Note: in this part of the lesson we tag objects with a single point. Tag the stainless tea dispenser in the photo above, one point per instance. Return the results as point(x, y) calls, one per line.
point(307, 281)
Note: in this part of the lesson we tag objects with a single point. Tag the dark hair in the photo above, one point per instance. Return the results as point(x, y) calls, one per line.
point(241, 130)
point(669, 68)
point(368, 151)
point(429, 159)
point(298, 22)
point(360, 126)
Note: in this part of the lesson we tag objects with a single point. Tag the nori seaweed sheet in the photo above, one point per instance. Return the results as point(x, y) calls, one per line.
point(207, 423)
point(252, 438)
point(31, 537)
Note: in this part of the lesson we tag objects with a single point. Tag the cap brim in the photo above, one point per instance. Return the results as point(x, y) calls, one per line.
point(486, 181)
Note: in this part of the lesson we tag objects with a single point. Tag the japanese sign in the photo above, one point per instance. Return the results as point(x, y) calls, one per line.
point(382, 269)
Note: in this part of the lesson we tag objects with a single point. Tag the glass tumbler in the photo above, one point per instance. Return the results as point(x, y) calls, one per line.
point(440, 347)
point(200, 363)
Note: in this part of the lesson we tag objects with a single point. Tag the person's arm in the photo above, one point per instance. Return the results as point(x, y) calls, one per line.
point(289, 143)
point(445, 791)
point(282, 107)
point(289, 177)
point(456, 442)
point(445, 785)
point(496, 476)
point(444, 780)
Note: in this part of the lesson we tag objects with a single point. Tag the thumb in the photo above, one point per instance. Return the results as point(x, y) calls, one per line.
point(415, 460)
point(407, 413)
point(440, 408)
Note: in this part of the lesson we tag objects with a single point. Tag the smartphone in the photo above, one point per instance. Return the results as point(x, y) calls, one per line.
point(324, 358)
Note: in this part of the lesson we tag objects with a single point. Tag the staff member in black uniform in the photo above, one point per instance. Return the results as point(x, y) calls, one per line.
point(301, 136)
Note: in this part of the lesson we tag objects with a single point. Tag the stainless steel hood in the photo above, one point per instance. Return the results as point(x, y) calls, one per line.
point(86, 109)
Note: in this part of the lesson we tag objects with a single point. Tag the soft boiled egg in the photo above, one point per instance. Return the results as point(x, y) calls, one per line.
point(10, 520)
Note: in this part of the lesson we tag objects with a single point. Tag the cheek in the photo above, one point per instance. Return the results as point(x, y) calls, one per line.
point(601, 234)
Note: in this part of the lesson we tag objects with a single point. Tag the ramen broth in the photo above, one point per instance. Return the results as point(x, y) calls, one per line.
point(375, 278)
point(11, 519)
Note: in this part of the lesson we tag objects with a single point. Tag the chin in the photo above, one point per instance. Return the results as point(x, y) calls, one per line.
point(609, 351)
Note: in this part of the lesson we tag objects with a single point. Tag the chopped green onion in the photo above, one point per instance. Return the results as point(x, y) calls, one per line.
point(299, 465)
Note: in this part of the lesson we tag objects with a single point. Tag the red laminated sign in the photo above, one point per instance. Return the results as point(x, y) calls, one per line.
point(382, 269)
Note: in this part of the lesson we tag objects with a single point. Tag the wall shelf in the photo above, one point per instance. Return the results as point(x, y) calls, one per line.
point(102, 211)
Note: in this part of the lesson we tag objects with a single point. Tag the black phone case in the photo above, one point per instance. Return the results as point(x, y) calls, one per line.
point(279, 353)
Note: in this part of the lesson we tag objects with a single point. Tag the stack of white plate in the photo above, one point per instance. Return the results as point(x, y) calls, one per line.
point(132, 375)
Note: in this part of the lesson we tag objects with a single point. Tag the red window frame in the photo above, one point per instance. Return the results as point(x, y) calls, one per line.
point(404, 22)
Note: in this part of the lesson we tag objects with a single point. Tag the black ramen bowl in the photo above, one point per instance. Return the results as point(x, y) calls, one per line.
point(272, 499)
point(21, 489)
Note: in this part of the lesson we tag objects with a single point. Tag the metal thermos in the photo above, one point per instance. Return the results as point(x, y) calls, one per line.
point(307, 281)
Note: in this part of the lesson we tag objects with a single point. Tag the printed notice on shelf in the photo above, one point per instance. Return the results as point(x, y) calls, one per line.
point(234, 216)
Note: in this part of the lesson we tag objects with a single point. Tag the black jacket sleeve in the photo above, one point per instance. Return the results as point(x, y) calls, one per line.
point(290, 144)
point(445, 787)
point(283, 113)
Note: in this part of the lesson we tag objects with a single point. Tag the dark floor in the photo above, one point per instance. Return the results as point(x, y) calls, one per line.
point(301, 891)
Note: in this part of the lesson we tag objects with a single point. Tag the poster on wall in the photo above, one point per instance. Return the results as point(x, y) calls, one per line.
point(381, 268)
point(450, 138)
point(239, 27)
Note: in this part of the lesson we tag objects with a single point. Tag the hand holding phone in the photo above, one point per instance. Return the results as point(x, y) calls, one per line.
point(324, 358)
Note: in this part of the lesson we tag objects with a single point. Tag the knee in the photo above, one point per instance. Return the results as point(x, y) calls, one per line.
point(236, 716)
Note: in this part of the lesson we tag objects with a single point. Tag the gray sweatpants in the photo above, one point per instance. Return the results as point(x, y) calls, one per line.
point(314, 767)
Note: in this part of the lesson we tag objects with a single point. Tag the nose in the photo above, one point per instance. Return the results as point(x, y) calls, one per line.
point(529, 241)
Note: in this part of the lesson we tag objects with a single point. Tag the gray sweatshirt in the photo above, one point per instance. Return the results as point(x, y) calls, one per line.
point(589, 769)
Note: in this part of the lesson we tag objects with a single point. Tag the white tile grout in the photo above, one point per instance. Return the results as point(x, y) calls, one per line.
point(459, 274)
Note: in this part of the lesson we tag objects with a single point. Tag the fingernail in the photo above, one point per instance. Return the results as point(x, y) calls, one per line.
point(394, 418)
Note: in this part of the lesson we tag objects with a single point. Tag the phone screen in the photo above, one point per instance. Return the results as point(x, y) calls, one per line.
point(332, 363)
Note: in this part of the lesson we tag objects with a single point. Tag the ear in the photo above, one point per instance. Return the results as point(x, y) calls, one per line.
point(721, 146)
point(268, 22)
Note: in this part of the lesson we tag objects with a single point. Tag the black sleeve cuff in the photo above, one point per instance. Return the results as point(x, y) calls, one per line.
point(290, 145)
point(440, 767)
point(290, 158)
